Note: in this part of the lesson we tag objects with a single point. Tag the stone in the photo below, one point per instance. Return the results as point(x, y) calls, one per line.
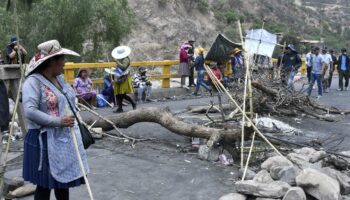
point(260, 198)
point(13, 180)
point(250, 174)
point(302, 161)
point(338, 162)
point(295, 193)
point(343, 179)
point(318, 185)
point(305, 151)
point(263, 177)
point(205, 153)
point(285, 174)
point(275, 161)
point(276, 189)
point(233, 196)
point(317, 156)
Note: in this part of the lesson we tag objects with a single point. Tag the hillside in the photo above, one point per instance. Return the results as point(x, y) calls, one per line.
point(162, 25)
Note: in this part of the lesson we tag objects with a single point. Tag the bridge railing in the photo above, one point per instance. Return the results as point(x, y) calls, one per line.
point(165, 76)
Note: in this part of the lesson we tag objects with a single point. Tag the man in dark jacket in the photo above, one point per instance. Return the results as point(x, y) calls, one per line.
point(191, 55)
point(291, 63)
point(343, 70)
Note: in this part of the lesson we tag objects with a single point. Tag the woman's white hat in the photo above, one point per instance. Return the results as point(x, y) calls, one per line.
point(47, 50)
point(121, 52)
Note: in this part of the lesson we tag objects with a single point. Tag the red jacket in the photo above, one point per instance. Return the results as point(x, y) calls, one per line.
point(184, 58)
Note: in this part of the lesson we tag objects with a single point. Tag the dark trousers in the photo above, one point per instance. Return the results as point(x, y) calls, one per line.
point(343, 75)
point(191, 77)
point(120, 98)
point(308, 73)
point(330, 79)
point(44, 194)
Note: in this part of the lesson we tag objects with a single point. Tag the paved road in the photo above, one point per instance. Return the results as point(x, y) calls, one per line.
point(160, 170)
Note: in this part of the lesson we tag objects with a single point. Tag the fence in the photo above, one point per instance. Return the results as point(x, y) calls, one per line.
point(70, 68)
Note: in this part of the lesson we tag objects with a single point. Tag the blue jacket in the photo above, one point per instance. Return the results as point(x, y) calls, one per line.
point(347, 62)
point(199, 63)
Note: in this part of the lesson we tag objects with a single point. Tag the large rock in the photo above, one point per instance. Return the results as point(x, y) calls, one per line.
point(318, 185)
point(338, 162)
point(317, 156)
point(285, 174)
point(205, 153)
point(295, 193)
point(302, 161)
point(275, 161)
point(263, 177)
point(306, 151)
point(250, 174)
point(276, 189)
point(343, 179)
point(233, 196)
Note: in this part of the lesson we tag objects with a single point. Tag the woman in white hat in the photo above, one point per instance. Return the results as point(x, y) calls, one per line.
point(50, 160)
point(122, 80)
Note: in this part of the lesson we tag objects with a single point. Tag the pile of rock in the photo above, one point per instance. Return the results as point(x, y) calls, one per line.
point(303, 174)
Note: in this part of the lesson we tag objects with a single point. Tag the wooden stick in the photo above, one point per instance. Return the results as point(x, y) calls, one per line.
point(248, 119)
point(249, 156)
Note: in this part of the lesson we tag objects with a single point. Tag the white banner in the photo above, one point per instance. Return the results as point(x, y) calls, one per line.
point(260, 42)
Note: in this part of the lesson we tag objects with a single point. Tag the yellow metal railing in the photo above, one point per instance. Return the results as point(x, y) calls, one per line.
point(69, 69)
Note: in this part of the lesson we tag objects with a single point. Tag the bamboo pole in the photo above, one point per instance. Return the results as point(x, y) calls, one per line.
point(247, 118)
point(81, 165)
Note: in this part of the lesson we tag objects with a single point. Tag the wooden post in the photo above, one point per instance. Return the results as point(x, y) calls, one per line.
point(166, 74)
point(69, 73)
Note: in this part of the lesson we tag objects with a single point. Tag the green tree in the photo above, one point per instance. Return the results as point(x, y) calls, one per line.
point(77, 24)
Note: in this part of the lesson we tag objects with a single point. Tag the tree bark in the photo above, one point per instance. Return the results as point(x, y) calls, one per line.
point(166, 119)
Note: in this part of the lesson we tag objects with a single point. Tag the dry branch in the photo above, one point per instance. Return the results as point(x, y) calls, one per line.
point(166, 119)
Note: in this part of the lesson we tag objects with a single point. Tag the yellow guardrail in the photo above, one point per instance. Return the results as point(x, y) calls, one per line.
point(70, 68)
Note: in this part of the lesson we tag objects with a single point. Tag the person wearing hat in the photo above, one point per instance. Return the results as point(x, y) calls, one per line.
point(49, 158)
point(142, 84)
point(291, 62)
point(343, 70)
point(199, 66)
point(13, 50)
point(184, 67)
point(83, 87)
point(237, 64)
point(122, 79)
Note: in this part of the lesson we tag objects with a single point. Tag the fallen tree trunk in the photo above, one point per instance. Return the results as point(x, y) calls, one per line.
point(166, 119)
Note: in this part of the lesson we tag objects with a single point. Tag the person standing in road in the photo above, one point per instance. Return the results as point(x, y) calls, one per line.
point(291, 63)
point(308, 60)
point(327, 63)
point(343, 69)
point(191, 61)
point(184, 67)
point(335, 61)
point(199, 66)
point(316, 73)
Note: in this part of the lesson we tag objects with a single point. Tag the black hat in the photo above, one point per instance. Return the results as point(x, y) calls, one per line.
point(343, 49)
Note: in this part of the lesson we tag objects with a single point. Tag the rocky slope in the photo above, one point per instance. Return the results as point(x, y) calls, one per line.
point(162, 25)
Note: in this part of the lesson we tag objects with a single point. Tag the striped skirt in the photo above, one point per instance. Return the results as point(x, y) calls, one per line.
point(31, 161)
